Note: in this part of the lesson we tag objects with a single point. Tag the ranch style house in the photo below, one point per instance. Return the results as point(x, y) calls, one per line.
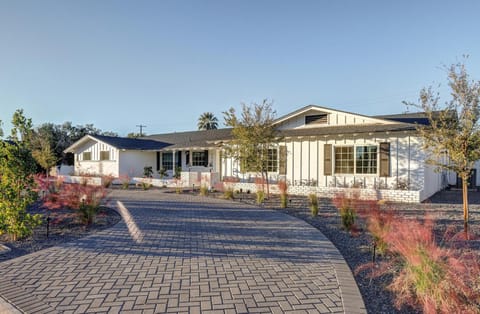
point(323, 151)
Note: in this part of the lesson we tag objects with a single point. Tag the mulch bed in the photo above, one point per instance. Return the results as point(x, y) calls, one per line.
point(64, 226)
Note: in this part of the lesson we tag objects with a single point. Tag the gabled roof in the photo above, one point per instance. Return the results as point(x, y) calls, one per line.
point(200, 139)
point(327, 110)
point(121, 143)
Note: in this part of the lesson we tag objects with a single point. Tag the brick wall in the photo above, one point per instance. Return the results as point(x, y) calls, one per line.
point(401, 196)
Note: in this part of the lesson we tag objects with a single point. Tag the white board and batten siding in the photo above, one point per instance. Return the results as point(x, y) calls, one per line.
point(95, 165)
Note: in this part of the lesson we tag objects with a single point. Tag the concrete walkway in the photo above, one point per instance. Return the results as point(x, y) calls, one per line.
point(180, 253)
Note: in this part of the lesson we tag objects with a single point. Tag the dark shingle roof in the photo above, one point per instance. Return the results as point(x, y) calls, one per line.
point(348, 129)
point(204, 139)
point(131, 143)
point(414, 118)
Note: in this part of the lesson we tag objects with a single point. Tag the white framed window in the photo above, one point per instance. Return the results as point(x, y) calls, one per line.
point(104, 155)
point(358, 159)
point(200, 159)
point(272, 161)
point(366, 159)
point(167, 161)
point(86, 156)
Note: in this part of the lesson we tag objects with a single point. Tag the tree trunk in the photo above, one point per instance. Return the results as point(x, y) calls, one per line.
point(268, 185)
point(465, 205)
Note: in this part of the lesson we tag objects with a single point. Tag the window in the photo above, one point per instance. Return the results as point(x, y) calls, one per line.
point(200, 158)
point(167, 161)
point(317, 119)
point(105, 155)
point(344, 160)
point(366, 160)
point(87, 156)
point(272, 161)
point(361, 160)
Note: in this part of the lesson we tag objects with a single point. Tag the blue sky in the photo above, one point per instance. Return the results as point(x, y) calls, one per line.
point(118, 64)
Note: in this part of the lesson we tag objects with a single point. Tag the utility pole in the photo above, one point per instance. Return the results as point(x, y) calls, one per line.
point(141, 128)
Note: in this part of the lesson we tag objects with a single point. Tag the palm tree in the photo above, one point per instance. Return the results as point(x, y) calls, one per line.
point(207, 121)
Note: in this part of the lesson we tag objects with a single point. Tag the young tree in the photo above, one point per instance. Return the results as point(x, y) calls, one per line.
point(44, 155)
point(207, 121)
point(454, 128)
point(254, 134)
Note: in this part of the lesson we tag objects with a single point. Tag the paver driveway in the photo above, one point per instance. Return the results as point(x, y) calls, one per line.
point(180, 253)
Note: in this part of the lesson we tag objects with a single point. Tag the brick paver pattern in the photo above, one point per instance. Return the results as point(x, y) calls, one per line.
point(181, 253)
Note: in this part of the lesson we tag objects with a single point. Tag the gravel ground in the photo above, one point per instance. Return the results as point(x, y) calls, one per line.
point(64, 227)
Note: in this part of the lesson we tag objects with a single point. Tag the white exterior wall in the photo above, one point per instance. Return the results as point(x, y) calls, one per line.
point(95, 166)
point(132, 162)
point(305, 161)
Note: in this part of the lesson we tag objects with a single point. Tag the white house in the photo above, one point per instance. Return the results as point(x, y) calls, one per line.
point(322, 151)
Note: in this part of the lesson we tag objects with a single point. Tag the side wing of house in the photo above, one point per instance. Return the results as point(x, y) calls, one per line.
point(94, 157)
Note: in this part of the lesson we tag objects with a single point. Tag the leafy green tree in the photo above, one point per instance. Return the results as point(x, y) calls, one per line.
point(22, 127)
point(454, 128)
point(254, 134)
point(17, 167)
point(207, 121)
point(135, 135)
point(1, 130)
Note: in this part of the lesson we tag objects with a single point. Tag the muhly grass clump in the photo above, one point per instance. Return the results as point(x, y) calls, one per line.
point(107, 181)
point(346, 206)
point(204, 190)
point(85, 199)
point(377, 221)
point(283, 187)
point(426, 275)
point(313, 203)
point(228, 194)
point(124, 181)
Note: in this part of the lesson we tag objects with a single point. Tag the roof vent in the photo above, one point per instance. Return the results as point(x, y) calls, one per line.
point(317, 119)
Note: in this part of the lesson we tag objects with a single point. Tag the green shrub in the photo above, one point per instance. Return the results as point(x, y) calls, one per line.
point(203, 190)
point(125, 181)
point(283, 200)
point(346, 208)
point(148, 172)
point(178, 173)
point(228, 194)
point(313, 199)
point(260, 197)
point(17, 168)
point(162, 173)
point(145, 185)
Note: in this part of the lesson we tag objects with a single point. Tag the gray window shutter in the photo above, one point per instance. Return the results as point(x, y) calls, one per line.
point(282, 162)
point(385, 159)
point(327, 159)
